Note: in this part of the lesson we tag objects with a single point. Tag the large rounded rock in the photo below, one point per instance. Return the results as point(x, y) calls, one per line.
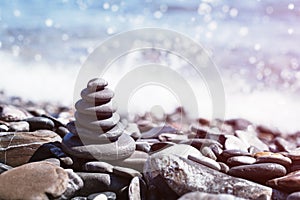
point(33, 181)
point(16, 148)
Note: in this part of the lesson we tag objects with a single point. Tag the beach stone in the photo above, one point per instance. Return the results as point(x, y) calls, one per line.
point(294, 196)
point(206, 196)
point(51, 150)
point(145, 125)
point(206, 132)
point(156, 131)
point(238, 124)
point(62, 131)
point(160, 146)
point(183, 176)
point(230, 153)
point(103, 111)
point(284, 145)
point(16, 148)
point(4, 167)
point(96, 84)
point(126, 172)
point(199, 143)
point(181, 150)
point(98, 166)
point(101, 182)
point(135, 161)
point(275, 158)
point(47, 179)
point(234, 143)
point(205, 161)
point(10, 113)
point(53, 161)
point(37, 123)
point(20, 126)
point(3, 128)
point(250, 139)
point(288, 183)
point(224, 168)
point(206, 151)
point(79, 198)
point(120, 149)
point(172, 137)
point(260, 173)
point(240, 160)
point(75, 183)
point(294, 154)
point(134, 192)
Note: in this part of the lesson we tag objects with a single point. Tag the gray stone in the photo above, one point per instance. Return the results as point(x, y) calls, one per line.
point(37, 123)
point(156, 131)
point(96, 84)
point(103, 111)
point(206, 196)
point(20, 126)
point(159, 146)
point(208, 152)
point(97, 97)
point(126, 172)
point(98, 166)
point(183, 176)
point(133, 130)
point(134, 192)
point(33, 181)
point(12, 113)
point(258, 172)
point(135, 161)
point(181, 150)
point(230, 153)
point(16, 148)
point(294, 196)
point(240, 160)
point(224, 167)
point(205, 161)
point(250, 139)
point(101, 182)
point(75, 183)
point(120, 149)
point(234, 143)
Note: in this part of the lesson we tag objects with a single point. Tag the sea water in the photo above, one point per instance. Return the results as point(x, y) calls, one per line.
point(254, 44)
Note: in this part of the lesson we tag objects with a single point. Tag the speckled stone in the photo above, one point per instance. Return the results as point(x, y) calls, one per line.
point(33, 181)
point(205, 161)
point(289, 183)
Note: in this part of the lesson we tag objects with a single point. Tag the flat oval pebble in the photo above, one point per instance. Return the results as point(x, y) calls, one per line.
point(101, 112)
point(206, 151)
point(258, 172)
point(234, 143)
point(98, 97)
point(126, 172)
point(36, 123)
point(92, 123)
point(289, 183)
point(98, 166)
point(282, 160)
point(240, 160)
point(250, 139)
point(21, 182)
point(205, 161)
point(96, 84)
point(120, 149)
point(230, 153)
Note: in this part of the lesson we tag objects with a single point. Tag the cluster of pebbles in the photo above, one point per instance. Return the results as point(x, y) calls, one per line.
point(54, 152)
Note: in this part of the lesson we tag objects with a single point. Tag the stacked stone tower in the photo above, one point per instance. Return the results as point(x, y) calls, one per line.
point(99, 133)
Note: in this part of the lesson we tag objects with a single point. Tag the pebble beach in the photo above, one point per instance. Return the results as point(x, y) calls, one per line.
point(56, 152)
point(102, 100)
